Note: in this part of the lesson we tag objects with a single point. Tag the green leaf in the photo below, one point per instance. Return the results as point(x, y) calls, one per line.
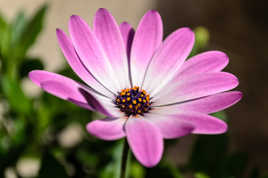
point(18, 27)
point(137, 171)
point(44, 117)
point(5, 37)
point(16, 98)
point(200, 175)
point(4, 143)
point(221, 115)
point(202, 37)
point(30, 33)
point(51, 167)
point(19, 132)
point(201, 40)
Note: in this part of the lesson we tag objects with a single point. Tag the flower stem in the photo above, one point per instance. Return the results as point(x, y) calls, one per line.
point(124, 160)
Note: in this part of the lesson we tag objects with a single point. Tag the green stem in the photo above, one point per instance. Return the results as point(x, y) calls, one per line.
point(124, 160)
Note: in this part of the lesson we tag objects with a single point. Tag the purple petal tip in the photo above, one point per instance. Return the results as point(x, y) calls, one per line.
point(74, 17)
point(59, 31)
point(33, 76)
point(153, 11)
point(188, 29)
point(239, 95)
point(124, 23)
point(102, 9)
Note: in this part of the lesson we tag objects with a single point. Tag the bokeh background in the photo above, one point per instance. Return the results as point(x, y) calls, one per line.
point(38, 138)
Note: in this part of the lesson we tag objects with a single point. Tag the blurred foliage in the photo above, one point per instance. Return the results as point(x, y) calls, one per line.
point(30, 127)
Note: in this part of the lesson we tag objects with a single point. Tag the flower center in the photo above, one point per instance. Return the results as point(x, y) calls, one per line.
point(133, 101)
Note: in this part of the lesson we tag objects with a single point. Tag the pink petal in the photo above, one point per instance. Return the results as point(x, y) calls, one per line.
point(170, 128)
point(145, 141)
point(209, 104)
point(66, 89)
point(168, 59)
point(109, 35)
point(75, 63)
point(107, 129)
point(196, 86)
point(211, 61)
point(127, 33)
point(147, 39)
point(91, 53)
point(202, 123)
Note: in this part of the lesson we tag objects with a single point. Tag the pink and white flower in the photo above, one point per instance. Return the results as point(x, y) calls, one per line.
point(141, 83)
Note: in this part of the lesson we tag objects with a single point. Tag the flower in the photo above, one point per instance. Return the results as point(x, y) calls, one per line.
point(144, 85)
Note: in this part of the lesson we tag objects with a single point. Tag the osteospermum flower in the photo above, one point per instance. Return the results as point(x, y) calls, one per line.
point(141, 83)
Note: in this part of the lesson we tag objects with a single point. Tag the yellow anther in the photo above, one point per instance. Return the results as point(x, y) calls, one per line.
point(133, 101)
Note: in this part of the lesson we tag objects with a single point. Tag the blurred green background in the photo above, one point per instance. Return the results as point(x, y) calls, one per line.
point(43, 136)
